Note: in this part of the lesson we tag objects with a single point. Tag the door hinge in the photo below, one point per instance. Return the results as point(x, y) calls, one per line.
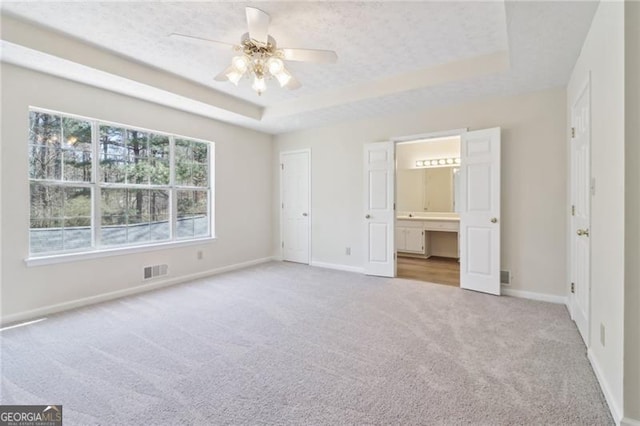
point(573, 210)
point(283, 205)
point(394, 206)
point(573, 132)
point(283, 244)
point(282, 166)
point(573, 287)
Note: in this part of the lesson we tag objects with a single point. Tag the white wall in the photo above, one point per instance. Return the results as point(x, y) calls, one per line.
point(243, 177)
point(603, 56)
point(632, 220)
point(533, 181)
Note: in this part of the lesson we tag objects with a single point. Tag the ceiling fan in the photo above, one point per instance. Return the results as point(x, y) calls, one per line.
point(259, 57)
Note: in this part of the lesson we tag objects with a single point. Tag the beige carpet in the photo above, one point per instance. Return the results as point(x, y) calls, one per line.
point(290, 344)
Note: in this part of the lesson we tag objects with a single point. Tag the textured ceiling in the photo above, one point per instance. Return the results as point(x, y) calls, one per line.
point(374, 41)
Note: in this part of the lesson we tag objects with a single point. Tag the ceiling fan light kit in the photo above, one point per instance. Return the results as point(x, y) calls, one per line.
point(261, 62)
point(259, 58)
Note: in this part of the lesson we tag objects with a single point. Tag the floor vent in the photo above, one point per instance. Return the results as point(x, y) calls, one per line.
point(155, 271)
point(505, 277)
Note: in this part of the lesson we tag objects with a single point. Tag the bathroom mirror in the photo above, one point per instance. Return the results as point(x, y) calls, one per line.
point(426, 190)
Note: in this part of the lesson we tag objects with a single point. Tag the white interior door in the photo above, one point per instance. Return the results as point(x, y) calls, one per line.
point(295, 205)
point(581, 212)
point(480, 211)
point(379, 168)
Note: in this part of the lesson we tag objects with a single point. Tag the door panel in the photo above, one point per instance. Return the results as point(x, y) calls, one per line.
point(480, 211)
point(479, 251)
point(378, 242)
point(378, 189)
point(379, 218)
point(295, 206)
point(479, 187)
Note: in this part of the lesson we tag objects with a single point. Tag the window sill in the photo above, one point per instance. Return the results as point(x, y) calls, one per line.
point(97, 254)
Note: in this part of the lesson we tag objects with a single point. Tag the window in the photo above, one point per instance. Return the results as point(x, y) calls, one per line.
point(97, 185)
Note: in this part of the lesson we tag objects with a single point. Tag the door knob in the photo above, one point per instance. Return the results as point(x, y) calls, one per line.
point(304, 214)
point(584, 232)
point(494, 220)
point(368, 216)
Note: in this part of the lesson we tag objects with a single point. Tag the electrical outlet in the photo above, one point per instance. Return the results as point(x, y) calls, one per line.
point(200, 255)
point(347, 251)
point(602, 334)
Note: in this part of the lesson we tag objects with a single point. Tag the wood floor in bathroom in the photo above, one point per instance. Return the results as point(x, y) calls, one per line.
point(440, 270)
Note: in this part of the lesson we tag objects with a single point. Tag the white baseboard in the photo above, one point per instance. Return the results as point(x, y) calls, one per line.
point(614, 408)
point(337, 266)
point(628, 421)
point(85, 301)
point(543, 297)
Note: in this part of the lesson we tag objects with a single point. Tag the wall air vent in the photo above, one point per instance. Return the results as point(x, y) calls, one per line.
point(505, 277)
point(155, 271)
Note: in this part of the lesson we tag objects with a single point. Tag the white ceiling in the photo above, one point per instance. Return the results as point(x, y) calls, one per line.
point(392, 55)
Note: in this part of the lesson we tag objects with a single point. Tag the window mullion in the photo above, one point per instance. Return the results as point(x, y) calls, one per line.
point(210, 199)
point(96, 194)
point(173, 196)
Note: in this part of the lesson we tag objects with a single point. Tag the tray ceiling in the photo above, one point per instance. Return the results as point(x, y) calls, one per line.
point(393, 56)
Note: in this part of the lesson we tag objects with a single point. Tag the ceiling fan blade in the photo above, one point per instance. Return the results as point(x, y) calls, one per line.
point(258, 23)
point(309, 55)
point(200, 40)
point(223, 75)
point(293, 84)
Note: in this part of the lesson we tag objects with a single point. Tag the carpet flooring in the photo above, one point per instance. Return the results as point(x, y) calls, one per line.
point(283, 343)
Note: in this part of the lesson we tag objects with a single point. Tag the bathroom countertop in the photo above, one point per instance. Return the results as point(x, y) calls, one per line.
point(438, 218)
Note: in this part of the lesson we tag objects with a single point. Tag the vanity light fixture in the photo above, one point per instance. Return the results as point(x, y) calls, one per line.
point(439, 162)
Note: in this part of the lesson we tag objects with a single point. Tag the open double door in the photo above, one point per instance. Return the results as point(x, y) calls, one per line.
point(479, 210)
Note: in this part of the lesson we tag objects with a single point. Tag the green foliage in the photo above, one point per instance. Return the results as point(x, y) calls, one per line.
point(60, 150)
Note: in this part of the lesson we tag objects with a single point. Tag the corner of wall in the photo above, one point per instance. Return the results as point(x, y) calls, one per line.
point(632, 216)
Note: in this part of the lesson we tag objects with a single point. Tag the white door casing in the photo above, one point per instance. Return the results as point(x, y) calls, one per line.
point(295, 203)
point(379, 215)
point(480, 211)
point(581, 211)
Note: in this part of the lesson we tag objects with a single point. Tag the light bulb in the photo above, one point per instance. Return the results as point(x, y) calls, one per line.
point(240, 63)
point(234, 76)
point(283, 77)
point(434, 162)
point(457, 160)
point(449, 160)
point(441, 161)
point(259, 85)
point(275, 65)
point(419, 163)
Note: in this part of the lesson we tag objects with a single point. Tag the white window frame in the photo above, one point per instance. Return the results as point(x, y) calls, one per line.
point(96, 250)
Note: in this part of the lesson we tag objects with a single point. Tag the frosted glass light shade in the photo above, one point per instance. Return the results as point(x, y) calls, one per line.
point(240, 63)
point(275, 65)
point(259, 85)
point(283, 77)
point(234, 76)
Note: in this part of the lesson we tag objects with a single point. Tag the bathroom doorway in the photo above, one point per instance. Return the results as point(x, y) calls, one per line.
point(427, 221)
